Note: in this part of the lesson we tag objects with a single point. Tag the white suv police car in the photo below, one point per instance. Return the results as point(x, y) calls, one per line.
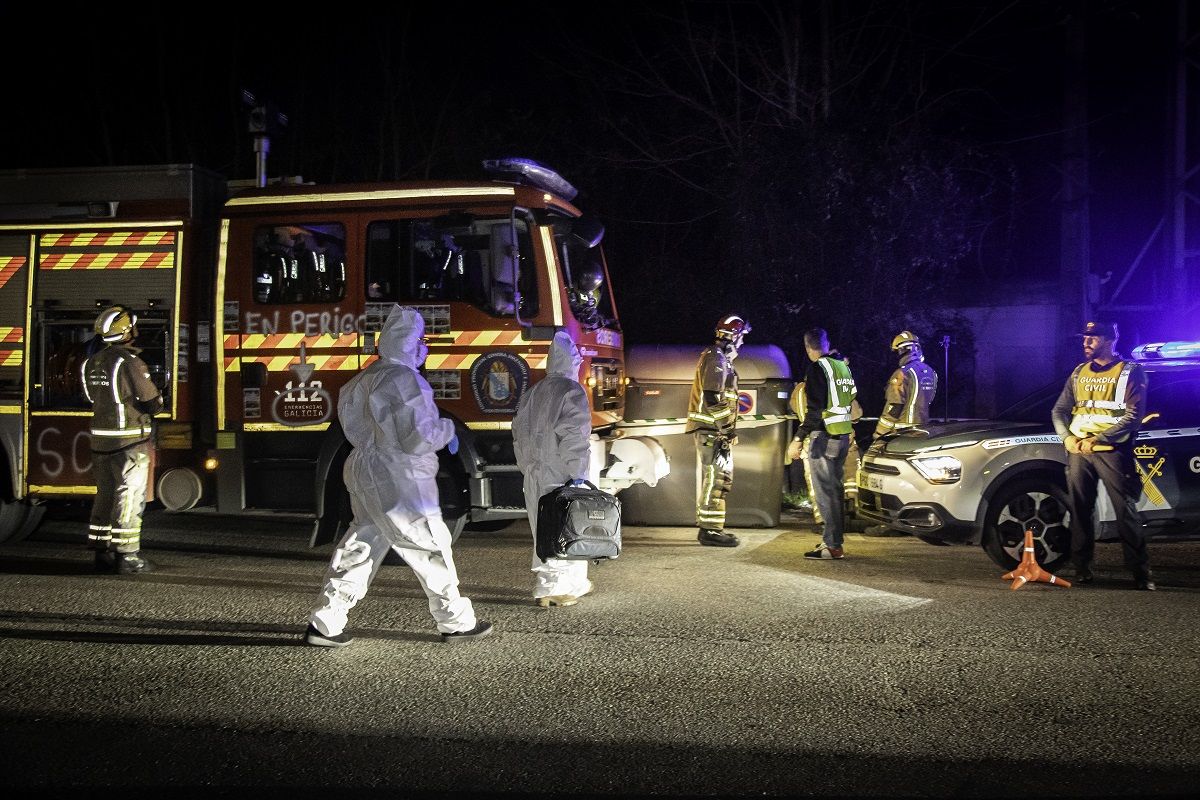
point(986, 482)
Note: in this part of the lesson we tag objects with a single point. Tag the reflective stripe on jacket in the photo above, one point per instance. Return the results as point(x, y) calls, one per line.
point(1099, 398)
point(836, 414)
point(118, 384)
point(716, 376)
point(910, 392)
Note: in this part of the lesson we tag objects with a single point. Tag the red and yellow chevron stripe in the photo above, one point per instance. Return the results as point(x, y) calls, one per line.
point(483, 338)
point(250, 345)
point(8, 334)
point(285, 341)
point(288, 341)
point(9, 265)
point(108, 261)
point(282, 363)
point(11, 358)
point(106, 238)
point(108, 250)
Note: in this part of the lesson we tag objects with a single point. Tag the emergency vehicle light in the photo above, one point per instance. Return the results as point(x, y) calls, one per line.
point(1167, 350)
point(527, 171)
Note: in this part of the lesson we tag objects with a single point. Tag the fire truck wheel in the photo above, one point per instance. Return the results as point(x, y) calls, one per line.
point(18, 519)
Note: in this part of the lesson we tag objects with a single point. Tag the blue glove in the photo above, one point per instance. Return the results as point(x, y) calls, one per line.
point(452, 445)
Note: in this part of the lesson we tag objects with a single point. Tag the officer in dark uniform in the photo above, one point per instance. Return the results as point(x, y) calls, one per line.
point(1098, 415)
point(712, 419)
point(124, 401)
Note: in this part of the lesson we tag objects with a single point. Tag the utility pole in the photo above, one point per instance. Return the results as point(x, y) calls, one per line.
point(1180, 182)
point(1160, 293)
point(1075, 238)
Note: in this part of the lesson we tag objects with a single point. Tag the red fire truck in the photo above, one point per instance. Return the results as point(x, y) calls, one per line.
point(256, 305)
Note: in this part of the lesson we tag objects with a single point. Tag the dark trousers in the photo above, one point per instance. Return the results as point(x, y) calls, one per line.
point(1115, 469)
point(827, 458)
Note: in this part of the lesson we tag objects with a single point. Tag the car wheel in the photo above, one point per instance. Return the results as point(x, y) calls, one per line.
point(1031, 504)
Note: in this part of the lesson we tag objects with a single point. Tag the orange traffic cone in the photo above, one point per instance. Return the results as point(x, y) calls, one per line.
point(1029, 571)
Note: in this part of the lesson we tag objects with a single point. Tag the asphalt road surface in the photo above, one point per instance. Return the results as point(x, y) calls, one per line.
point(903, 670)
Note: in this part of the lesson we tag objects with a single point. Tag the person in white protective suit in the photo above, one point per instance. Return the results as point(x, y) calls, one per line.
point(388, 415)
point(551, 433)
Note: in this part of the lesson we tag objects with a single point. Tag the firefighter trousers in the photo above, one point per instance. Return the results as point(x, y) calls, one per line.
point(714, 462)
point(121, 479)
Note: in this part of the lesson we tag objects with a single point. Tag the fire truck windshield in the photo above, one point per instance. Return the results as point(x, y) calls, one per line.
point(452, 258)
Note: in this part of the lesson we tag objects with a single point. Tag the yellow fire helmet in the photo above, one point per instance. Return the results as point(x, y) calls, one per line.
point(115, 324)
point(905, 339)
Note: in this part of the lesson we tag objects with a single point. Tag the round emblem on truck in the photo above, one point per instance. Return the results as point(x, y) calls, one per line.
point(745, 403)
point(498, 381)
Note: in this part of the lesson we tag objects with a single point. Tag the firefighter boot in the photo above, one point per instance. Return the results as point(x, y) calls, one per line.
point(716, 538)
point(106, 561)
point(132, 564)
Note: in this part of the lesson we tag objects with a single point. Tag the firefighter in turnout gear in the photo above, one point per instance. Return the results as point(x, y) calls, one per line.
point(910, 390)
point(1098, 415)
point(712, 420)
point(124, 401)
point(906, 400)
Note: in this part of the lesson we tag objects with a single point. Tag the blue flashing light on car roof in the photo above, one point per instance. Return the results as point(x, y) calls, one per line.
point(1161, 350)
point(524, 170)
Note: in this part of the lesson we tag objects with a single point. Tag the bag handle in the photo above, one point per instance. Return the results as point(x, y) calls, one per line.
point(582, 482)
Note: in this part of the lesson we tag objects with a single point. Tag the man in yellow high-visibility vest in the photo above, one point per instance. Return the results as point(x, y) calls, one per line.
point(1098, 415)
point(826, 431)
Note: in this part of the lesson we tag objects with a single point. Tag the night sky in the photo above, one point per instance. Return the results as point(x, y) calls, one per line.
point(695, 130)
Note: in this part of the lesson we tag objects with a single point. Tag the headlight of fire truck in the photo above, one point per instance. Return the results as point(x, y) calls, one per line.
point(938, 469)
point(606, 380)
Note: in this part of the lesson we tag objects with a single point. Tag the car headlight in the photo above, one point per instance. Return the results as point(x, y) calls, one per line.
point(939, 469)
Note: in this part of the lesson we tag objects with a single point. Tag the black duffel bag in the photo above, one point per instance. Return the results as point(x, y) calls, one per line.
point(579, 522)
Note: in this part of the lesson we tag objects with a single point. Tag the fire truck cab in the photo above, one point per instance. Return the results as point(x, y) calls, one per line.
point(255, 312)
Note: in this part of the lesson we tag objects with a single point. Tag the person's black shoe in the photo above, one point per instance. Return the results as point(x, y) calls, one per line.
point(1082, 576)
point(317, 639)
point(716, 538)
point(480, 630)
point(106, 561)
point(1144, 583)
point(133, 564)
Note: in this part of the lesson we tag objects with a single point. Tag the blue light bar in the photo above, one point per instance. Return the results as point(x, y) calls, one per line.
point(1167, 350)
point(524, 170)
